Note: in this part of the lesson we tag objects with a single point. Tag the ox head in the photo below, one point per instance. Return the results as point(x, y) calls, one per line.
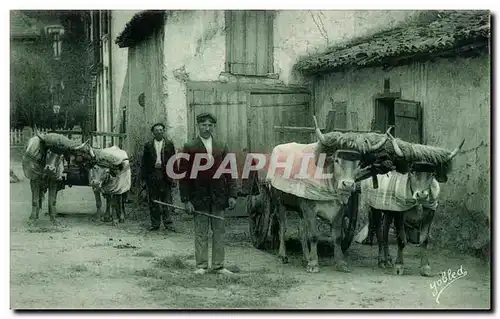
point(345, 164)
point(422, 174)
point(53, 157)
point(100, 175)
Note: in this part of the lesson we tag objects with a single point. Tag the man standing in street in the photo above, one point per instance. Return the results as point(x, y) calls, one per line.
point(206, 193)
point(156, 154)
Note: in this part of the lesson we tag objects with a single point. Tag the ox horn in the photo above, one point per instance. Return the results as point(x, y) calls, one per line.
point(398, 150)
point(91, 150)
point(381, 143)
point(320, 135)
point(37, 132)
point(81, 146)
point(455, 151)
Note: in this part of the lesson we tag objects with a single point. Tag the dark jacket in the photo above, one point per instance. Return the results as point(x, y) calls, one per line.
point(149, 158)
point(205, 192)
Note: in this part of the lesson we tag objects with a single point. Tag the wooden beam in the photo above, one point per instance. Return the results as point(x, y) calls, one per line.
point(108, 134)
point(66, 132)
point(312, 129)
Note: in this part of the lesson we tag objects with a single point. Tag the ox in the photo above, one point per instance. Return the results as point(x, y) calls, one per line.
point(344, 165)
point(408, 199)
point(44, 168)
point(113, 182)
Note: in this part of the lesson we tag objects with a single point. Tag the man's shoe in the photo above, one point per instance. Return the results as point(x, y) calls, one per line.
point(154, 228)
point(224, 271)
point(200, 271)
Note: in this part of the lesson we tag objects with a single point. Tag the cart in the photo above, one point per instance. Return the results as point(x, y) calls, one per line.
point(76, 169)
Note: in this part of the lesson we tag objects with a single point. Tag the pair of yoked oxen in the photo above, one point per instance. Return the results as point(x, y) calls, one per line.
point(43, 164)
point(346, 161)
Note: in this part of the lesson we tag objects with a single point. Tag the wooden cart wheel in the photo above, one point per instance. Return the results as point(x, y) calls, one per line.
point(259, 213)
point(349, 221)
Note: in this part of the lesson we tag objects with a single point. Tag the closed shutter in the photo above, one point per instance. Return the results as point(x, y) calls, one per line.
point(408, 121)
point(249, 42)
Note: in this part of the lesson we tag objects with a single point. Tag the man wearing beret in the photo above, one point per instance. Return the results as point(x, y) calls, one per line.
point(206, 193)
point(156, 154)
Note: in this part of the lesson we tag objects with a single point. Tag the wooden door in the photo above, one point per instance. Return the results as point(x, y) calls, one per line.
point(267, 110)
point(408, 120)
point(229, 107)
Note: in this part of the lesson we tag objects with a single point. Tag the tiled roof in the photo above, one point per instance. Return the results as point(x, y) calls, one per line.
point(22, 26)
point(453, 31)
point(140, 26)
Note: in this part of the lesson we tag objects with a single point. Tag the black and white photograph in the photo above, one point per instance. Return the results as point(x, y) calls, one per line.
point(244, 159)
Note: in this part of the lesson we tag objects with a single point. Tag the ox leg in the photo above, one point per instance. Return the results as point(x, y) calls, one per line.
point(399, 222)
point(35, 199)
point(280, 209)
point(98, 204)
point(312, 237)
point(387, 221)
point(123, 199)
point(41, 195)
point(377, 224)
point(107, 213)
point(114, 208)
point(52, 201)
point(425, 268)
point(303, 240)
point(121, 208)
point(372, 229)
point(336, 236)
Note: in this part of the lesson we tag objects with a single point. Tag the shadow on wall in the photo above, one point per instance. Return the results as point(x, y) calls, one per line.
point(455, 227)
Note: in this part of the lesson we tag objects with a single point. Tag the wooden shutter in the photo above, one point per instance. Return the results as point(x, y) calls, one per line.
point(249, 42)
point(408, 120)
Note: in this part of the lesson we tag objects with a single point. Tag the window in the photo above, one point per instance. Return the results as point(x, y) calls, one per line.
point(249, 42)
point(404, 115)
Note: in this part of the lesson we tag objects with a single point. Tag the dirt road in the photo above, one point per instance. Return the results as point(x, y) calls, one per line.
point(84, 264)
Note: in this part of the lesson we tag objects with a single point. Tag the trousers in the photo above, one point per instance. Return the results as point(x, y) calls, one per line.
point(201, 225)
point(159, 189)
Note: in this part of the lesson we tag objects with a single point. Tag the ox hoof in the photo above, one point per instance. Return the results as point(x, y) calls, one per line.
point(343, 267)
point(388, 263)
point(312, 268)
point(399, 269)
point(425, 271)
point(284, 260)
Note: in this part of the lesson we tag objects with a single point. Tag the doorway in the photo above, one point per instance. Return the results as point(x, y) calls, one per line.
point(384, 114)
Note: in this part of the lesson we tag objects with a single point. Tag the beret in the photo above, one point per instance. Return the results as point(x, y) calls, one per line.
point(157, 124)
point(202, 116)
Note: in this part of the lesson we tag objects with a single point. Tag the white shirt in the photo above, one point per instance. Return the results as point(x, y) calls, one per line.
point(158, 146)
point(208, 144)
